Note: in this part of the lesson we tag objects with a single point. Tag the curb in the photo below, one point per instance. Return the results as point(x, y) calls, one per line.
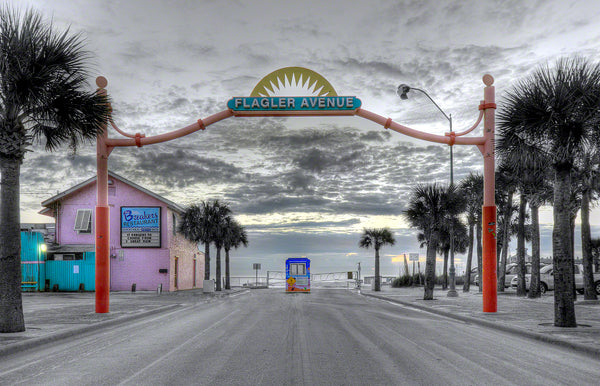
point(591, 351)
point(35, 342)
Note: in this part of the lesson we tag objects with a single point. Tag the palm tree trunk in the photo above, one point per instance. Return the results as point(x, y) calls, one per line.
point(445, 278)
point(467, 283)
point(521, 290)
point(505, 240)
point(562, 259)
point(534, 286)
point(227, 281)
point(218, 269)
point(207, 261)
point(430, 266)
point(11, 303)
point(586, 249)
point(377, 277)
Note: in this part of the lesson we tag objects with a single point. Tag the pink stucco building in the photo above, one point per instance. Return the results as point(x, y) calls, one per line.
point(145, 248)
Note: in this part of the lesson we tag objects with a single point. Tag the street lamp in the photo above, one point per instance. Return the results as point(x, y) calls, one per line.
point(402, 92)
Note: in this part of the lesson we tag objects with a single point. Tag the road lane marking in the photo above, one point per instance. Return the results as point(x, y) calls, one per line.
point(162, 357)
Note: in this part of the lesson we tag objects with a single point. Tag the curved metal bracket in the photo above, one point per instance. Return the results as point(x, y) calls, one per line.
point(455, 134)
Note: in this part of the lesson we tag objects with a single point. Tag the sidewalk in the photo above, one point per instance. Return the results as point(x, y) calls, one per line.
point(533, 318)
point(52, 316)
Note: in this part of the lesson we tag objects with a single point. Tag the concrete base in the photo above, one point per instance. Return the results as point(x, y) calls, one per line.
point(208, 286)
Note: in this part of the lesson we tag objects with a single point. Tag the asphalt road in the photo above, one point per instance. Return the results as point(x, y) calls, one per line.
point(328, 337)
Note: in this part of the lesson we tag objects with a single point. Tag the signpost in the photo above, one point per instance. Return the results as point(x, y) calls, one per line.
point(256, 267)
point(414, 257)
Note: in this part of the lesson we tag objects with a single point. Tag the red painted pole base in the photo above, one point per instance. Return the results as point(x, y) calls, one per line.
point(490, 295)
point(102, 260)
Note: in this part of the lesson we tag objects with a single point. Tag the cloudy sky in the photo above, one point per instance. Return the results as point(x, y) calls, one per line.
point(303, 186)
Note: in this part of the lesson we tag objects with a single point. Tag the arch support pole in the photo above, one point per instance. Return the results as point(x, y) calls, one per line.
point(102, 217)
point(489, 203)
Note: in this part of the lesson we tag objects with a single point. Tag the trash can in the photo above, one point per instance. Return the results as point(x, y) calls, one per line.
point(208, 286)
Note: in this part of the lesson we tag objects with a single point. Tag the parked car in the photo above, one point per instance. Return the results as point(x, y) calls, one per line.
point(510, 273)
point(547, 279)
point(473, 274)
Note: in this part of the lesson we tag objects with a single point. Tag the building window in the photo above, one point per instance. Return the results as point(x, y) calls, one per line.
point(174, 224)
point(83, 221)
point(65, 256)
point(298, 269)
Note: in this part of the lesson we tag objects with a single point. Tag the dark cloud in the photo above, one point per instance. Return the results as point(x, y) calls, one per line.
point(179, 169)
point(375, 136)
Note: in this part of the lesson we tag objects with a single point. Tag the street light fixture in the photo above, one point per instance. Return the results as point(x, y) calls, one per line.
point(402, 92)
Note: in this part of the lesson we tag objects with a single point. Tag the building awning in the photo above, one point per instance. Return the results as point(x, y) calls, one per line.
point(72, 248)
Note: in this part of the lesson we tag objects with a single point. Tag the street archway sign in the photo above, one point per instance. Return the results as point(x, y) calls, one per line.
point(321, 99)
point(263, 100)
point(321, 105)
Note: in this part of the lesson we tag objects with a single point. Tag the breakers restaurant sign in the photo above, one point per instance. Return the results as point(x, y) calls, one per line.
point(323, 101)
point(140, 227)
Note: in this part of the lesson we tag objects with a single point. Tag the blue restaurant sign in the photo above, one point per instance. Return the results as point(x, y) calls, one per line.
point(140, 227)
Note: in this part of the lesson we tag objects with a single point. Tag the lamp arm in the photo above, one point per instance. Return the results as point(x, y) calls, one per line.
point(449, 118)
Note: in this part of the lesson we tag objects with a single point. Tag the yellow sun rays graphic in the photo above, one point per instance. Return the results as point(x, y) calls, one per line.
point(296, 77)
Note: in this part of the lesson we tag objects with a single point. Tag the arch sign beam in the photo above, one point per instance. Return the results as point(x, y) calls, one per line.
point(321, 101)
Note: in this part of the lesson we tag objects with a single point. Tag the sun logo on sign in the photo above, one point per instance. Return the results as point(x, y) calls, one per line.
point(290, 81)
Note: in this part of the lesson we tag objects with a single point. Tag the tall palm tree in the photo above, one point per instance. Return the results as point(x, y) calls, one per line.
point(521, 269)
point(528, 170)
point(459, 230)
point(588, 173)
point(219, 213)
point(43, 95)
point(595, 245)
point(376, 238)
point(538, 190)
point(504, 197)
point(196, 226)
point(471, 188)
point(430, 208)
point(234, 236)
point(554, 111)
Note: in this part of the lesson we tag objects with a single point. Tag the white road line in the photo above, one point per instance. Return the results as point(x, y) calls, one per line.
point(192, 339)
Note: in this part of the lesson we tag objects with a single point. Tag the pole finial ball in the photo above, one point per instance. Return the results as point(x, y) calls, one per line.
point(101, 82)
point(488, 80)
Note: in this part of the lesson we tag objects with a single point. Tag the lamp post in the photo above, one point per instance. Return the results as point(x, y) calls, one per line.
point(402, 92)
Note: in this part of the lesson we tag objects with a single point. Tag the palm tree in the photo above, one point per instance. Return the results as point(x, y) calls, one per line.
point(235, 236)
point(504, 197)
point(538, 190)
point(43, 95)
point(532, 180)
point(588, 174)
point(376, 238)
point(471, 188)
point(554, 111)
point(219, 213)
point(595, 245)
point(459, 230)
point(196, 226)
point(430, 208)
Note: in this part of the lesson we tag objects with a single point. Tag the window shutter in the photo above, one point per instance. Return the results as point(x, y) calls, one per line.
point(83, 221)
